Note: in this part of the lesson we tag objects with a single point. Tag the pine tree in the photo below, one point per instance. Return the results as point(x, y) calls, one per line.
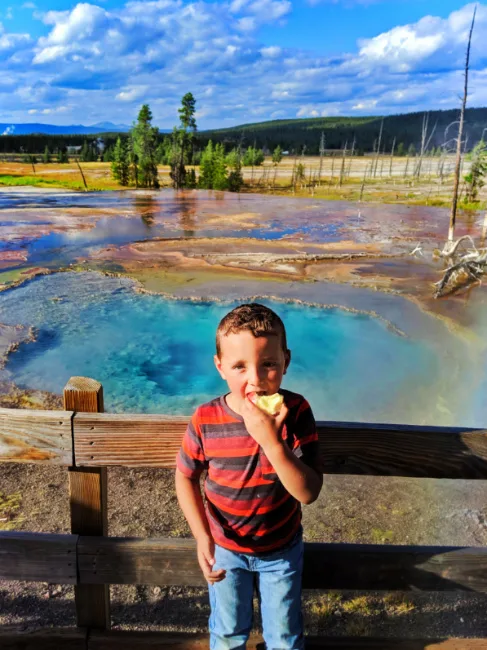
point(120, 163)
point(206, 168)
point(220, 181)
point(412, 150)
point(46, 157)
point(144, 139)
point(62, 155)
point(277, 155)
point(84, 155)
point(183, 141)
point(401, 149)
point(235, 179)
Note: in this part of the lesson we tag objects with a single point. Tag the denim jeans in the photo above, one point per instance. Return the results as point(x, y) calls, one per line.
point(278, 577)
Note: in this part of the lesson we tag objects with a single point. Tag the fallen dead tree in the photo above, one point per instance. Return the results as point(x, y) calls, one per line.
point(465, 266)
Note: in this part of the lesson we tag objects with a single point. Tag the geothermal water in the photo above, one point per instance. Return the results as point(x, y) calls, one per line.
point(156, 355)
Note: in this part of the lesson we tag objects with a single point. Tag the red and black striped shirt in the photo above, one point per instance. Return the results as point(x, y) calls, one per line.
point(248, 508)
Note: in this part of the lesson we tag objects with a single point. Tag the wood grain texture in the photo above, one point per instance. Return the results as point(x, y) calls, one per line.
point(88, 506)
point(326, 566)
point(28, 436)
point(131, 441)
point(347, 448)
point(38, 557)
point(83, 394)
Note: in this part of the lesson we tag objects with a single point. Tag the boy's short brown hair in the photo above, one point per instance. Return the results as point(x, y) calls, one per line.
point(256, 318)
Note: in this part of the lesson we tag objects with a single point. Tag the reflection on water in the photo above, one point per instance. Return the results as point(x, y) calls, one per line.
point(154, 355)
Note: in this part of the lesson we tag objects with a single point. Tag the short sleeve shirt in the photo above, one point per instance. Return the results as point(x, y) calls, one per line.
point(248, 508)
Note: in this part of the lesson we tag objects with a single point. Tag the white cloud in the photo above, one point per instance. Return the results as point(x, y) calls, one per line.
point(103, 63)
point(131, 94)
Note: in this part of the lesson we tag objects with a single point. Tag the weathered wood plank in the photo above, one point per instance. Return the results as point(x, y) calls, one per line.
point(135, 441)
point(54, 639)
point(403, 450)
point(38, 557)
point(348, 448)
point(88, 506)
point(119, 560)
point(49, 639)
point(390, 568)
point(28, 436)
point(327, 566)
point(118, 640)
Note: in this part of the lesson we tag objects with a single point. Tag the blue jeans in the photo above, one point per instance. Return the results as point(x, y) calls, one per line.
point(278, 576)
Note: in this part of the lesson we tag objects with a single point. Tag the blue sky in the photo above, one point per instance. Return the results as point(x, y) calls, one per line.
point(65, 62)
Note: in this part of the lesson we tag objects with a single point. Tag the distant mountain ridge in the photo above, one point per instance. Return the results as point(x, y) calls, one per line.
point(71, 129)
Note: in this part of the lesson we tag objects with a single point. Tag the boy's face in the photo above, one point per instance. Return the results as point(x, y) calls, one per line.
point(249, 364)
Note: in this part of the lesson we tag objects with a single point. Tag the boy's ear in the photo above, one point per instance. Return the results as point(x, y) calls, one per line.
point(218, 366)
point(287, 360)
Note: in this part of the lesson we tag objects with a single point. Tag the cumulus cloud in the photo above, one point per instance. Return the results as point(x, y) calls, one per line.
point(101, 63)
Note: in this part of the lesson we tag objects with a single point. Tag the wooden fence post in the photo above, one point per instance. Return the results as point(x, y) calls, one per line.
point(88, 505)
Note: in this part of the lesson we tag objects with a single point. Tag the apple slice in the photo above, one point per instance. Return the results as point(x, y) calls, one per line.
point(270, 404)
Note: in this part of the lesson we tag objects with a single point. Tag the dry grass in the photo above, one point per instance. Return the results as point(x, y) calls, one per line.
point(384, 187)
point(10, 515)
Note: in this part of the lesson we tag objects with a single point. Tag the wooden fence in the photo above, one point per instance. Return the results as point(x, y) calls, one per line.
point(87, 441)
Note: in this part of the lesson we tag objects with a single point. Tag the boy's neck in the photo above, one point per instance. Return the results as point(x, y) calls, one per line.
point(234, 403)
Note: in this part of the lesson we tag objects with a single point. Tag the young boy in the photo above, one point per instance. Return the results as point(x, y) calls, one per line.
point(260, 469)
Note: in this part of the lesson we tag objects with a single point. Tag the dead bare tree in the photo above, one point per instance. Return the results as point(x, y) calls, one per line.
point(470, 266)
point(392, 156)
point(352, 153)
point(342, 168)
point(425, 142)
point(378, 146)
point(456, 182)
point(322, 153)
point(82, 175)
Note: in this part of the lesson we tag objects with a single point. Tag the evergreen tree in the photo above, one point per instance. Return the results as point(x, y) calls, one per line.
point(220, 181)
point(401, 149)
point(253, 157)
point(191, 182)
point(412, 150)
point(85, 155)
point(108, 154)
point(277, 155)
point(235, 179)
point(183, 140)
point(120, 163)
point(144, 138)
point(206, 168)
point(475, 179)
point(46, 157)
point(62, 156)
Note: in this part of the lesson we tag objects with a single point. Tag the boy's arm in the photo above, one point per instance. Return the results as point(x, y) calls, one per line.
point(302, 481)
point(191, 503)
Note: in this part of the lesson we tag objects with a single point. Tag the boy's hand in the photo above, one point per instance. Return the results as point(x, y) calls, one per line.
point(206, 560)
point(265, 429)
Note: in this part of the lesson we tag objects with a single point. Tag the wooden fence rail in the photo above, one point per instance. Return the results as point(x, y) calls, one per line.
point(77, 559)
point(106, 439)
point(87, 441)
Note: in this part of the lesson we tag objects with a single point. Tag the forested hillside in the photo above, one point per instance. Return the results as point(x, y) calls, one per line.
point(292, 135)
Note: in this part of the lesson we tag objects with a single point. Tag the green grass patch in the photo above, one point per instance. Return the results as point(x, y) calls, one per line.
point(37, 181)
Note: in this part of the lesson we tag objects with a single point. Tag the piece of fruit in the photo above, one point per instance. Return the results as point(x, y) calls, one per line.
point(270, 404)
